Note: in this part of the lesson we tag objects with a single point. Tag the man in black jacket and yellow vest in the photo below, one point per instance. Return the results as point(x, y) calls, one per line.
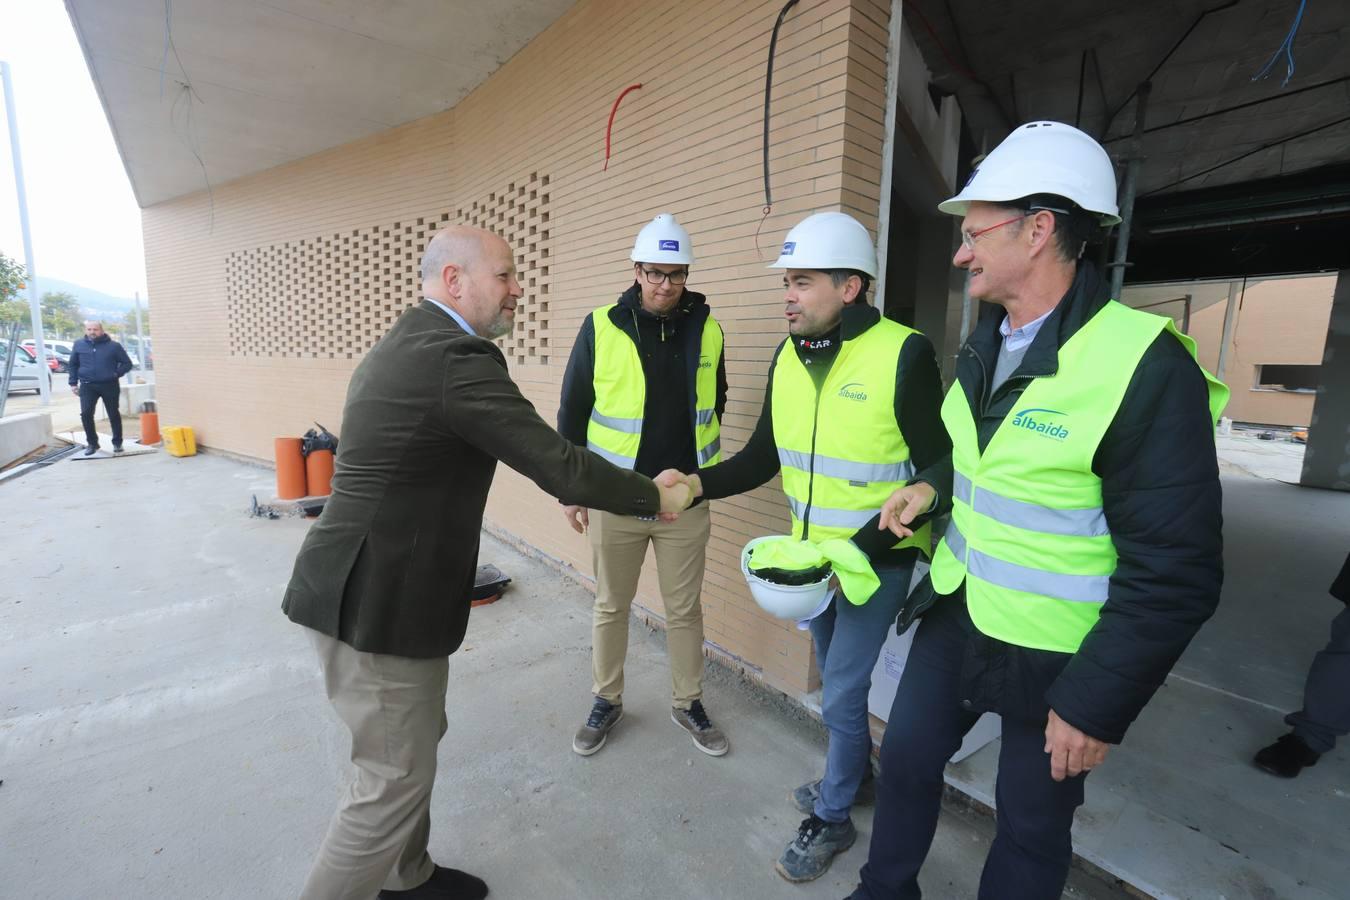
point(850, 414)
point(1084, 549)
point(383, 581)
point(646, 388)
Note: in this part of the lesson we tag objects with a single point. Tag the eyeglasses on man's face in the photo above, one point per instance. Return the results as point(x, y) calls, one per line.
point(656, 276)
point(970, 237)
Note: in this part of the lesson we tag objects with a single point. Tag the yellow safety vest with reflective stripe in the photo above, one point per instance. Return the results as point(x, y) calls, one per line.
point(840, 448)
point(615, 428)
point(1028, 534)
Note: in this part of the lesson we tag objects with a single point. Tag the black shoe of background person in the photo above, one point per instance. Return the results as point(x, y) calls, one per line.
point(90, 450)
point(1286, 757)
point(117, 448)
point(444, 884)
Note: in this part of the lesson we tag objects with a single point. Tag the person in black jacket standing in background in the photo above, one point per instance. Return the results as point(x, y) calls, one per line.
point(1325, 715)
point(1085, 547)
point(645, 388)
point(97, 362)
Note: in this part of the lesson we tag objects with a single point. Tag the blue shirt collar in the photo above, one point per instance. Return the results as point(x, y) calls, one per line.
point(454, 315)
point(1017, 338)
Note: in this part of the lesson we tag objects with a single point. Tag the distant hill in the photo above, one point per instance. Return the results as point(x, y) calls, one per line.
point(95, 303)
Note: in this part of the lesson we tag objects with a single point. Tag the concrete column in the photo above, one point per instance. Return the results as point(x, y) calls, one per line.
point(1327, 461)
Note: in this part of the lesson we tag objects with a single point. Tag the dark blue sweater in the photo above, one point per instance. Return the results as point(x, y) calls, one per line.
point(101, 359)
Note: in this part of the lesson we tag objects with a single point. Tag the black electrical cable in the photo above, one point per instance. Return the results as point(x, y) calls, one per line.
point(1082, 74)
point(1106, 129)
point(1228, 162)
point(768, 96)
point(1228, 109)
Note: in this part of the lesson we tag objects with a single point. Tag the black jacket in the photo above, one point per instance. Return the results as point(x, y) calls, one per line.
point(101, 359)
point(669, 349)
point(918, 401)
point(1163, 505)
point(389, 566)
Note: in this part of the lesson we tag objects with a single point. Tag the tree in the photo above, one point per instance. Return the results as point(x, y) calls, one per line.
point(60, 314)
point(129, 321)
point(12, 309)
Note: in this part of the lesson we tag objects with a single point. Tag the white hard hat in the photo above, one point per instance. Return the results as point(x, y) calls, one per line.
point(1043, 158)
point(829, 240)
point(663, 240)
point(784, 601)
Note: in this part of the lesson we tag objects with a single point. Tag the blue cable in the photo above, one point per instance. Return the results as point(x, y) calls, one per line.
point(1286, 47)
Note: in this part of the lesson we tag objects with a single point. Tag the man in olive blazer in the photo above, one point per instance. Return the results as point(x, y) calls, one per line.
point(383, 580)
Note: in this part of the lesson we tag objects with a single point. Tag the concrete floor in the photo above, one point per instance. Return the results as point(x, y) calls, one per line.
point(163, 734)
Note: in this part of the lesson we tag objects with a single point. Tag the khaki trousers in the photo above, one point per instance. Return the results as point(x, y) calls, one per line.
point(619, 546)
point(395, 709)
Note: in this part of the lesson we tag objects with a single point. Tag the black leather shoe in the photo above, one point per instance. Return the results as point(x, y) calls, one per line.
point(444, 884)
point(1286, 757)
point(90, 450)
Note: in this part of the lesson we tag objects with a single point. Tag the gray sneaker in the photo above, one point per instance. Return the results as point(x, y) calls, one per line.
point(695, 721)
point(591, 736)
point(805, 797)
point(815, 847)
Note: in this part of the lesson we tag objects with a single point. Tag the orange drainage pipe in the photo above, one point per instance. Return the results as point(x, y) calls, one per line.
point(319, 473)
point(290, 468)
point(150, 428)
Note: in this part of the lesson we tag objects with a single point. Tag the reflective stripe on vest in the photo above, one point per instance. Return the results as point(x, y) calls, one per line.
point(615, 428)
point(1028, 534)
point(840, 448)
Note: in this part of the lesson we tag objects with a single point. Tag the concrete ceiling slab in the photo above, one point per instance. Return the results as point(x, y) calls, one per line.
point(199, 90)
point(1016, 62)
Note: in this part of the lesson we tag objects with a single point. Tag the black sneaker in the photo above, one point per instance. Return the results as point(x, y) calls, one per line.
point(117, 448)
point(90, 450)
point(695, 721)
point(805, 797)
point(815, 847)
point(1286, 757)
point(591, 736)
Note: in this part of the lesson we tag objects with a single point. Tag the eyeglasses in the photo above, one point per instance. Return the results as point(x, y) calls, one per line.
point(655, 276)
point(970, 237)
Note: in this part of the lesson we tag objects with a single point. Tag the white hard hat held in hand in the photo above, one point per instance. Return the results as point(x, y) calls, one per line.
point(663, 241)
point(1043, 158)
point(826, 241)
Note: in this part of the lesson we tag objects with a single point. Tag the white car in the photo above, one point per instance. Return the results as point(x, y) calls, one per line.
point(26, 372)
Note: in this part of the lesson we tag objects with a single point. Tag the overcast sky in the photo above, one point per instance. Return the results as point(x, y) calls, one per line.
point(85, 224)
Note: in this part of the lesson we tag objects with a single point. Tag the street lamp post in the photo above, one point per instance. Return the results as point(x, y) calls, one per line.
point(34, 308)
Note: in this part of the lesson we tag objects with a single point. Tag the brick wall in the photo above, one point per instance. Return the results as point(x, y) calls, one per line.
point(688, 142)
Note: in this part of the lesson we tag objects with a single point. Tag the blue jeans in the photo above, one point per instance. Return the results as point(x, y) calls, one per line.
point(848, 640)
point(1031, 853)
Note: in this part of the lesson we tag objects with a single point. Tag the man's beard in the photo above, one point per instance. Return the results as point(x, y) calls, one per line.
point(499, 326)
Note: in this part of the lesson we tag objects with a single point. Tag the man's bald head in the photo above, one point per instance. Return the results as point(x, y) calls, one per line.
point(461, 246)
point(472, 271)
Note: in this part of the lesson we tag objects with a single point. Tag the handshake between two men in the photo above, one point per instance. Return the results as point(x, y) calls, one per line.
point(680, 490)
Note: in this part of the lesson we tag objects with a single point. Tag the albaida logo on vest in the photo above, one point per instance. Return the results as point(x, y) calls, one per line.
point(1041, 421)
point(854, 390)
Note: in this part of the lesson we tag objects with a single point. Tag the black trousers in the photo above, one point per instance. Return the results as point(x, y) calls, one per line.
point(1031, 853)
point(110, 393)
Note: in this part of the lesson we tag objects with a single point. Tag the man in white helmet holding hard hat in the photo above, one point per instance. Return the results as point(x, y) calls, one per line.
point(850, 414)
point(1084, 549)
point(646, 388)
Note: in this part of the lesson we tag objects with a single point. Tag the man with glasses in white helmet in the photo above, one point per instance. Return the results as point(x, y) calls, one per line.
point(1084, 549)
point(645, 388)
point(850, 414)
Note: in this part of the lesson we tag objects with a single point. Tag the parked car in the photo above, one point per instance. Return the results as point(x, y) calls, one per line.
point(26, 373)
point(58, 353)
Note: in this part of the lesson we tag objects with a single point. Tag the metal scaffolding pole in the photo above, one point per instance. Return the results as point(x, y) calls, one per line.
point(34, 308)
point(1127, 190)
